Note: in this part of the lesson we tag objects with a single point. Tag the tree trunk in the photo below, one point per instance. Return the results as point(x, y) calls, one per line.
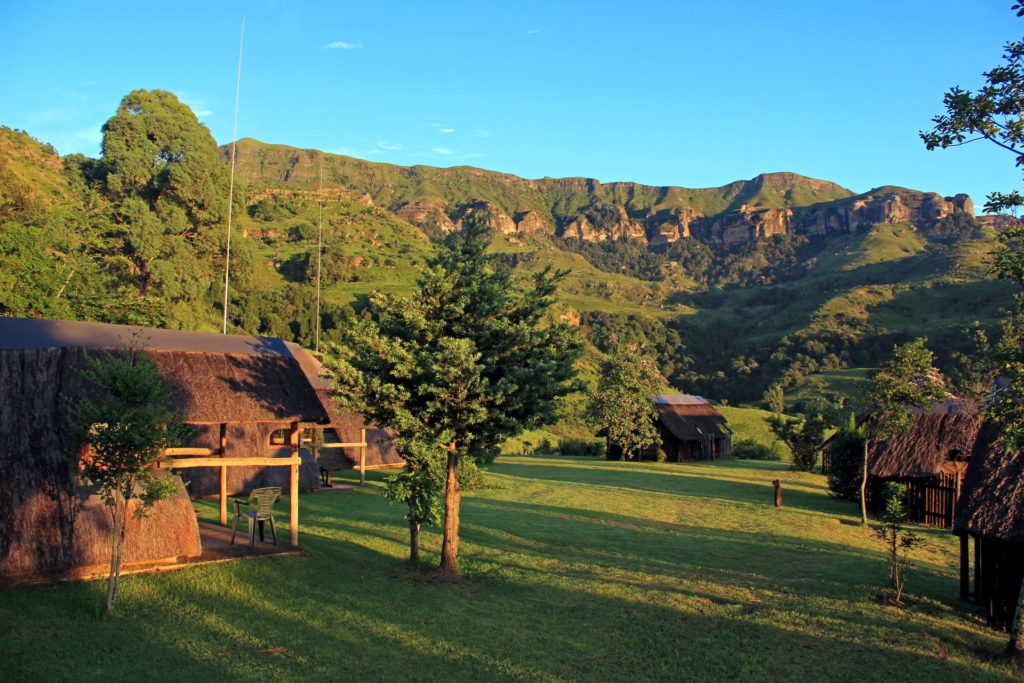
point(414, 537)
point(452, 500)
point(119, 524)
point(1015, 648)
point(864, 487)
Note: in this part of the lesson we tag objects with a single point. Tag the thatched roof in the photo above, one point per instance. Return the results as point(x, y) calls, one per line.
point(925, 450)
point(689, 417)
point(943, 436)
point(220, 378)
point(992, 498)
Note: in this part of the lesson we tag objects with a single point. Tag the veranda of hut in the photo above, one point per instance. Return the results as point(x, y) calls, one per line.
point(991, 512)
point(235, 390)
point(930, 459)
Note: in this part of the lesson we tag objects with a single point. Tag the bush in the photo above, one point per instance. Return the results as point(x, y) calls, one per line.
point(847, 453)
point(585, 447)
point(662, 456)
point(748, 449)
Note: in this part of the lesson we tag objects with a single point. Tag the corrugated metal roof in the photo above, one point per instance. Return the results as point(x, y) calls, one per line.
point(681, 399)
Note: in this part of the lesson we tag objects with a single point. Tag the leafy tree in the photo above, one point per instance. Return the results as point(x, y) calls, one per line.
point(846, 453)
point(802, 435)
point(124, 427)
point(167, 188)
point(994, 113)
point(466, 362)
point(907, 380)
point(622, 403)
point(898, 540)
point(775, 399)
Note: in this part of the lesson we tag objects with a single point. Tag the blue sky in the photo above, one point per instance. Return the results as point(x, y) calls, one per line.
point(696, 94)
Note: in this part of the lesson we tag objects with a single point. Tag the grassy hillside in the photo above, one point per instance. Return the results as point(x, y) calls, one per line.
point(577, 570)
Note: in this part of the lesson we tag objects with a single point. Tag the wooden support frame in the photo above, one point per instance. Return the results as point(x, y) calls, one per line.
point(223, 475)
point(294, 438)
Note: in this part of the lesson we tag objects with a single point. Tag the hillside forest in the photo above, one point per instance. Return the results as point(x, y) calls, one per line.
point(779, 281)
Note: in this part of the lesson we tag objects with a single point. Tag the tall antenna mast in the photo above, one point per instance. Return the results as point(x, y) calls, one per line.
point(231, 185)
point(319, 252)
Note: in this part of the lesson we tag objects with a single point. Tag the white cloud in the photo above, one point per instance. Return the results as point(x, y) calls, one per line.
point(446, 130)
point(390, 146)
point(342, 45)
point(443, 150)
point(533, 31)
point(479, 133)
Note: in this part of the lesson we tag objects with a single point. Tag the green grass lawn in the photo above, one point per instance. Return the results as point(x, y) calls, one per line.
point(578, 569)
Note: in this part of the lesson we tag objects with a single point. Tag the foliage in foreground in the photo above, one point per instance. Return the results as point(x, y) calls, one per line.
point(899, 541)
point(622, 403)
point(467, 362)
point(124, 427)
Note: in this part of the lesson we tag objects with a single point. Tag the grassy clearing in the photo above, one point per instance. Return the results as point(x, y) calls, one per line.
point(578, 569)
point(752, 423)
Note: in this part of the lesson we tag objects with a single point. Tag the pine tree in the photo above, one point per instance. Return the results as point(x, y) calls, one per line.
point(468, 361)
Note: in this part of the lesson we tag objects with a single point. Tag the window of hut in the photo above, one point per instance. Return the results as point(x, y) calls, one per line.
point(279, 437)
point(956, 455)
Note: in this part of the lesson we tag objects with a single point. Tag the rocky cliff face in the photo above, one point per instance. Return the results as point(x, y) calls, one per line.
point(440, 200)
point(611, 222)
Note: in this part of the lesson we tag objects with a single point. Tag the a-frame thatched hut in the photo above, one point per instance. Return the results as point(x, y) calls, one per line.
point(689, 428)
point(930, 459)
point(225, 383)
point(991, 512)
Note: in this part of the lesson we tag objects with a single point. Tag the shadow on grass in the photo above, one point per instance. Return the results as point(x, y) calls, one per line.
point(554, 593)
point(701, 480)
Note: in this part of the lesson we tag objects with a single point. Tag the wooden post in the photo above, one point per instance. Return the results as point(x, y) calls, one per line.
point(223, 475)
point(978, 583)
point(778, 492)
point(362, 457)
point(965, 567)
point(293, 485)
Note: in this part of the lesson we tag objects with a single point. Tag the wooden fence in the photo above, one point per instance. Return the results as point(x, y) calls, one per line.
point(930, 500)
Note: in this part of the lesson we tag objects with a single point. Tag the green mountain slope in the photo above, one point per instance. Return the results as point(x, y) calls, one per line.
point(778, 279)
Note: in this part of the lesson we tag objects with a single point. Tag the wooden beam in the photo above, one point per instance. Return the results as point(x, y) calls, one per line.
point(354, 444)
point(195, 451)
point(223, 475)
point(362, 457)
point(227, 462)
point(294, 437)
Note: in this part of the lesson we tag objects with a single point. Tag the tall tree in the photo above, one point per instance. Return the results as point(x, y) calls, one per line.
point(167, 186)
point(623, 402)
point(124, 427)
point(468, 361)
point(996, 113)
point(907, 380)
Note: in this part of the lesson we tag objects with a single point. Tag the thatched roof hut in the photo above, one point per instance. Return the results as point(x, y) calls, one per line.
point(930, 459)
point(940, 442)
point(991, 511)
point(992, 502)
point(221, 379)
point(689, 428)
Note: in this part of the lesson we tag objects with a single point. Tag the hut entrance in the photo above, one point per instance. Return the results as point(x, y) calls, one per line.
point(176, 458)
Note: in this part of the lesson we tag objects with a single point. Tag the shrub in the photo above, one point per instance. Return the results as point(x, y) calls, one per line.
point(846, 451)
point(748, 449)
point(585, 447)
